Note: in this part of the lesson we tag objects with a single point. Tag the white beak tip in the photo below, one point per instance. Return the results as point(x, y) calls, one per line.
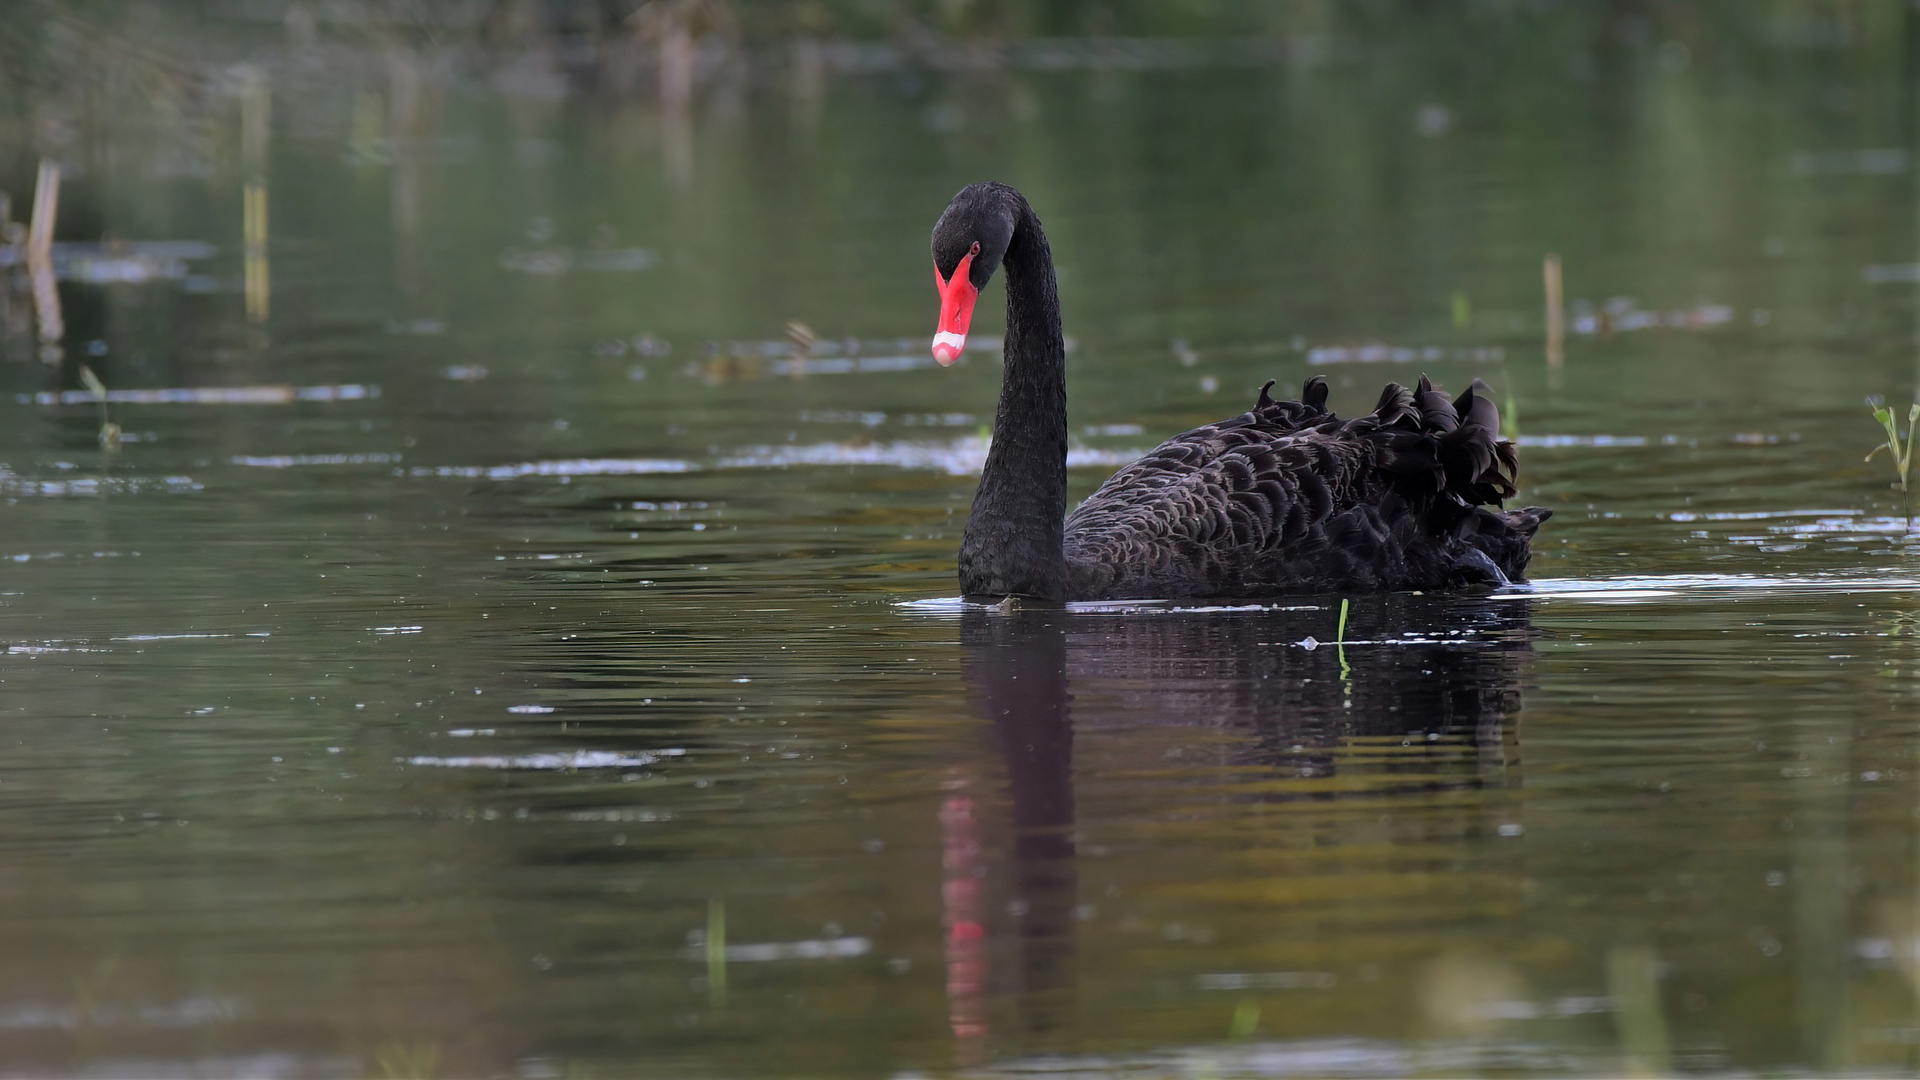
point(947, 346)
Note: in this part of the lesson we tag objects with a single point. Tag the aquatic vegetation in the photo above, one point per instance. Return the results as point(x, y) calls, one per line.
point(1632, 983)
point(1246, 1020)
point(405, 1060)
point(716, 950)
point(109, 431)
point(1339, 640)
point(1901, 451)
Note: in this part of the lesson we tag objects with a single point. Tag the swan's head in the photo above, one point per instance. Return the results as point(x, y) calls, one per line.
point(969, 241)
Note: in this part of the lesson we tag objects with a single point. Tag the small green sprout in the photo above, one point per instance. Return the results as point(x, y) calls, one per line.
point(110, 431)
point(1900, 450)
point(402, 1060)
point(1246, 1020)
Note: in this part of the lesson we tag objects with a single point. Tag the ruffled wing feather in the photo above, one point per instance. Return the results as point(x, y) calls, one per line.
point(1288, 498)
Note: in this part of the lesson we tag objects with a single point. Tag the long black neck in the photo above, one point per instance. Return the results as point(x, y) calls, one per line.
point(1012, 545)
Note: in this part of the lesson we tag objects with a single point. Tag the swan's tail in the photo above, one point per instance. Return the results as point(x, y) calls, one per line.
point(1310, 409)
point(1449, 447)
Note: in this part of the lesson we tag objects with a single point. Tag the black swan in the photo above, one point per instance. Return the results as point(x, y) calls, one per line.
point(1284, 499)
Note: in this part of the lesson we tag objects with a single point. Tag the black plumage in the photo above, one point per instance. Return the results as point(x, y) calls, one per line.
point(1288, 498)
point(1284, 498)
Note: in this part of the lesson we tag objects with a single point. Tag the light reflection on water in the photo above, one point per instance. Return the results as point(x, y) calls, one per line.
point(514, 657)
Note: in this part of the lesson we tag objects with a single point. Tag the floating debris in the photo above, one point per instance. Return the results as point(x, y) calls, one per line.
point(849, 365)
point(844, 416)
point(292, 461)
point(1581, 440)
point(119, 262)
point(54, 646)
point(26, 556)
point(1623, 314)
point(96, 485)
point(818, 347)
point(560, 261)
point(1433, 120)
point(724, 362)
point(1892, 274)
point(839, 948)
point(187, 1013)
point(962, 457)
point(1268, 980)
point(578, 759)
point(1888, 161)
point(1376, 352)
point(575, 467)
point(206, 395)
point(640, 345)
point(1075, 54)
point(965, 457)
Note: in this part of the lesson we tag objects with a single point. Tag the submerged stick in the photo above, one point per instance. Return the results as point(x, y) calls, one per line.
point(1556, 312)
point(254, 222)
point(46, 297)
point(256, 134)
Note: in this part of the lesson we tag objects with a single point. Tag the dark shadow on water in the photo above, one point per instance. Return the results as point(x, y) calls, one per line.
point(1016, 671)
point(1438, 673)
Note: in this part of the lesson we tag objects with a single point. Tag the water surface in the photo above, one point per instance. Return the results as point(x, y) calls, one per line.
point(517, 652)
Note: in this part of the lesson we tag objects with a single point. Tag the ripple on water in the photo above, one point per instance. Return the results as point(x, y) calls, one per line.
point(1644, 586)
point(1632, 586)
point(963, 457)
point(1322, 1057)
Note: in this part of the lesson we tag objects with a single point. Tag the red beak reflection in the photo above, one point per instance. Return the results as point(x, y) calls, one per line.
point(957, 296)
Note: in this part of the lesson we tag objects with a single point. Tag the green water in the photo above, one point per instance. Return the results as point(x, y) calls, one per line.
point(561, 679)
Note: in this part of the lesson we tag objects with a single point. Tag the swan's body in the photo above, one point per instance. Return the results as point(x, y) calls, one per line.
point(1285, 498)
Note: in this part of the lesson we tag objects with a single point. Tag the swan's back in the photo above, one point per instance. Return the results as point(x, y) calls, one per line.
point(1288, 498)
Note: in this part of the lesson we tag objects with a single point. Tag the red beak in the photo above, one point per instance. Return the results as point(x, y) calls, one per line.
point(957, 296)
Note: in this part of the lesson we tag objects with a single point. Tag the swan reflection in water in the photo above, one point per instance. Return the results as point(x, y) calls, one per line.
point(1438, 672)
